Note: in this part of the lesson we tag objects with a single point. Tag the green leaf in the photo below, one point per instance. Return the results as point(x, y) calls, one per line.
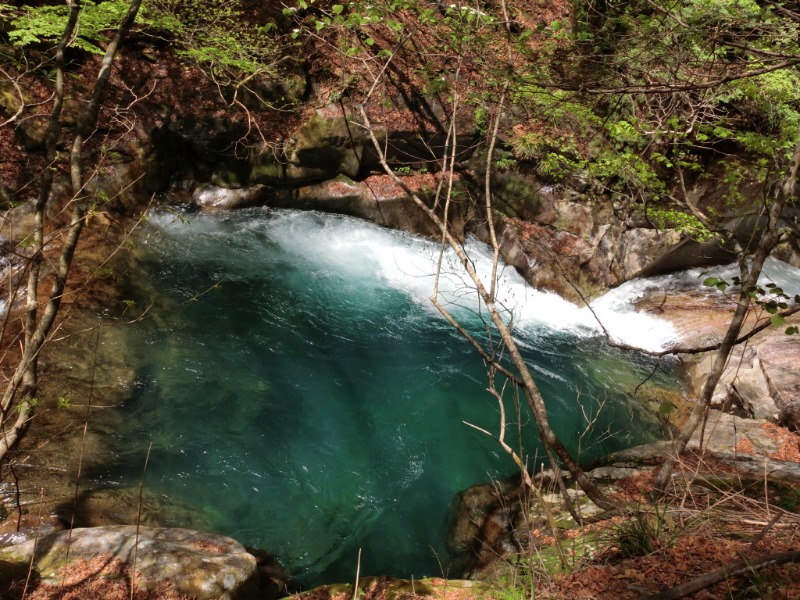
point(369, 41)
point(777, 320)
point(710, 281)
point(792, 330)
point(666, 409)
point(337, 9)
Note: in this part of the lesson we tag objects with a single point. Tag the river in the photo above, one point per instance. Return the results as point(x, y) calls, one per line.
point(302, 393)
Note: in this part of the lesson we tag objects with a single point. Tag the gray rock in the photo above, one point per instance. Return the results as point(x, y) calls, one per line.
point(212, 197)
point(723, 432)
point(743, 388)
point(780, 356)
point(198, 564)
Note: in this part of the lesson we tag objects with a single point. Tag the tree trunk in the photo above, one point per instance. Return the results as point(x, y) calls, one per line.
point(531, 391)
point(24, 380)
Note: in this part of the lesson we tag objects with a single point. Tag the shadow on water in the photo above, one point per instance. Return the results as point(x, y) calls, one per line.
point(313, 403)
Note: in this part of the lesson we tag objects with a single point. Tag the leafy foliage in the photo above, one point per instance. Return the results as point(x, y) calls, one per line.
point(769, 297)
point(45, 24)
point(216, 35)
point(673, 87)
point(213, 33)
point(684, 223)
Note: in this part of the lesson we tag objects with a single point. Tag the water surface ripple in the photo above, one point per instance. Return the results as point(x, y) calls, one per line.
point(312, 403)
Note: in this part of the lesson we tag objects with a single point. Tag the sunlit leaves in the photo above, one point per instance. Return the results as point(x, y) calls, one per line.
point(213, 34)
point(769, 297)
point(33, 25)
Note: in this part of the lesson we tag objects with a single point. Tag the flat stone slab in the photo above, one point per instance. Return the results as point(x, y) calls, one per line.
point(203, 565)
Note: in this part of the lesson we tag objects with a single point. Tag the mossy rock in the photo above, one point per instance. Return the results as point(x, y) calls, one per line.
point(282, 92)
point(267, 171)
point(328, 146)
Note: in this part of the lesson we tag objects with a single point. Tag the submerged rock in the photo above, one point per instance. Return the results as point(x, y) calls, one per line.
point(183, 561)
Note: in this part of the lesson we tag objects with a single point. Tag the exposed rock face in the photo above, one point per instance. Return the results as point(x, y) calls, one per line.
point(761, 379)
point(328, 143)
point(742, 389)
point(747, 229)
point(203, 565)
point(569, 241)
point(780, 358)
point(376, 199)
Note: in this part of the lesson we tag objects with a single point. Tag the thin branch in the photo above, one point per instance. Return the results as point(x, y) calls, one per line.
point(16, 115)
point(736, 568)
point(664, 88)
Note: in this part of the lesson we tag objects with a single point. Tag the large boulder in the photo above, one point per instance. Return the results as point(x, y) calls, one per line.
point(381, 200)
point(761, 378)
point(172, 561)
point(213, 197)
point(482, 526)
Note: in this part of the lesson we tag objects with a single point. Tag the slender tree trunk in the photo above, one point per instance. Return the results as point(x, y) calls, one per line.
point(531, 391)
point(24, 380)
point(25, 374)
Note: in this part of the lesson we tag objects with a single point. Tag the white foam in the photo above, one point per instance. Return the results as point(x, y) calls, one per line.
point(376, 257)
point(408, 263)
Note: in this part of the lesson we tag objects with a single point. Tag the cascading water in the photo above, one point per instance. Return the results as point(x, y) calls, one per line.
point(312, 401)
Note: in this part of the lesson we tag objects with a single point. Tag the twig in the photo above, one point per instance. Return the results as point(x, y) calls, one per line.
point(358, 574)
point(16, 493)
point(138, 521)
point(765, 530)
point(35, 542)
point(739, 567)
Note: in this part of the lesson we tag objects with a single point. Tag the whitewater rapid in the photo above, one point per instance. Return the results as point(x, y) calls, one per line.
point(367, 253)
point(409, 263)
